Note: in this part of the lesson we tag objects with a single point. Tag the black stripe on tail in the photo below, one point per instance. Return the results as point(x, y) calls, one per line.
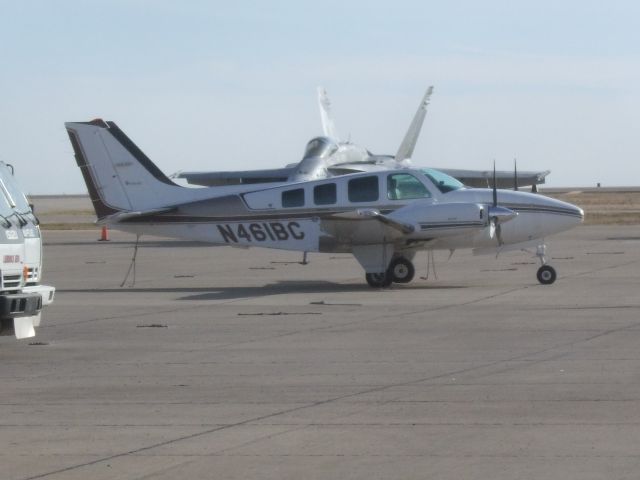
point(139, 155)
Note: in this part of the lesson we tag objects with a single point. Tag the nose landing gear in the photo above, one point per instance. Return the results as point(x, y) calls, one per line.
point(546, 273)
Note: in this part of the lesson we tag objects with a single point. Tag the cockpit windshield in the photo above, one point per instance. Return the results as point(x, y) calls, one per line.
point(444, 182)
point(320, 147)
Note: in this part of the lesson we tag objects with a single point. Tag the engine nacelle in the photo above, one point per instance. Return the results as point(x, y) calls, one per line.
point(432, 220)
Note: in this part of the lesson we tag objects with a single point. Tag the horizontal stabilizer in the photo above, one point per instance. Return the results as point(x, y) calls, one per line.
point(123, 216)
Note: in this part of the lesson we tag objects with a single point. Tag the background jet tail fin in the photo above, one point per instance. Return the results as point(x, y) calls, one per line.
point(328, 127)
point(119, 176)
point(411, 137)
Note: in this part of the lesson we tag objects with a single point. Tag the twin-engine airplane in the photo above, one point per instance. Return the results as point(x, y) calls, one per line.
point(328, 156)
point(382, 218)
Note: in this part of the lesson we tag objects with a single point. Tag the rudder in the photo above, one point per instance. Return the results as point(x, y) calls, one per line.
point(119, 176)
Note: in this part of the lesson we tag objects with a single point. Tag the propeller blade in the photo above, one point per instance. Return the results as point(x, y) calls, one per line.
point(515, 175)
point(495, 189)
point(497, 216)
point(499, 234)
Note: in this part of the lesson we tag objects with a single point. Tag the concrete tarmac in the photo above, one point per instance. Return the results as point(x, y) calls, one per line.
point(234, 364)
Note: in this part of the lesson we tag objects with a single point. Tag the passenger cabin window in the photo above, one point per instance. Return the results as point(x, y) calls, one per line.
point(363, 189)
point(325, 194)
point(403, 186)
point(293, 198)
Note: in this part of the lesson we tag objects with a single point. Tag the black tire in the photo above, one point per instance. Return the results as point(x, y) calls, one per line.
point(378, 280)
point(401, 270)
point(546, 275)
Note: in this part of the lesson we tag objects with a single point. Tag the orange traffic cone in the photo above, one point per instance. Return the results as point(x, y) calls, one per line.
point(104, 235)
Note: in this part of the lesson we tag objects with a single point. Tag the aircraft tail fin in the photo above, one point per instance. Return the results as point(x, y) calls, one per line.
point(411, 137)
point(328, 127)
point(120, 178)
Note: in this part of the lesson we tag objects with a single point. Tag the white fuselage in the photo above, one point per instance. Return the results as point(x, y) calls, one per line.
point(294, 217)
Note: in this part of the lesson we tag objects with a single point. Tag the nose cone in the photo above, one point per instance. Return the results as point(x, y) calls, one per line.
point(570, 209)
point(568, 214)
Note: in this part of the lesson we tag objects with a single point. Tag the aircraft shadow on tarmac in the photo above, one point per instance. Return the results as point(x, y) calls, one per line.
point(276, 288)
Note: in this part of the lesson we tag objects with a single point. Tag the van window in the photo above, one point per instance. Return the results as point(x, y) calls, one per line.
point(403, 186)
point(12, 191)
point(325, 194)
point(293, 198)
point(363, 189)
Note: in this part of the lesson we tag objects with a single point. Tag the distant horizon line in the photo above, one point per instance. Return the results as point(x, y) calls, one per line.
point(541, 189)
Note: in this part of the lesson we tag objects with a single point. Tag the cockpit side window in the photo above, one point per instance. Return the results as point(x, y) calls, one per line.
point(403, 186)
point(364, 189)
point(293, 198)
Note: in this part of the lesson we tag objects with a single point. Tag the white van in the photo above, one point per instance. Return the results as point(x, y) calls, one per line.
point(22, 296)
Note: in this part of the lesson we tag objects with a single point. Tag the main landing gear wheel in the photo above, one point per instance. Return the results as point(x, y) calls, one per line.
point(379, 280)
point(401, 270)
point(546, 275)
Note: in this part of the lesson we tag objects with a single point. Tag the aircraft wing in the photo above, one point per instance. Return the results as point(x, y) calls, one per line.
point(124, 216)
point(471, 178)
point(504, 179)
point(370, 226)
point(213, 179)
point(364, 226)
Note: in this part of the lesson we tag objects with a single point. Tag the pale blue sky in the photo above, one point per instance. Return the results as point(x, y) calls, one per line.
point(216, 86)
